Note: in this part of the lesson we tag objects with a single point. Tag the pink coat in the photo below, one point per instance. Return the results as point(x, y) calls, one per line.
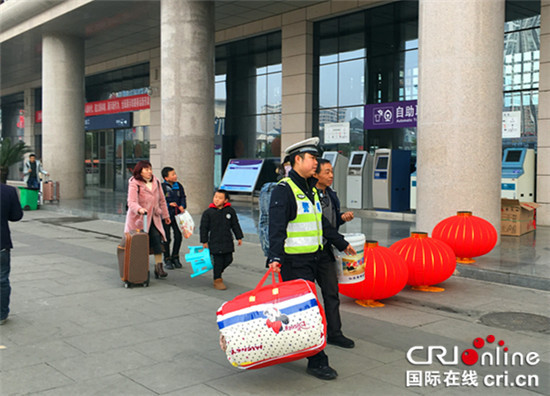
point(151, 200)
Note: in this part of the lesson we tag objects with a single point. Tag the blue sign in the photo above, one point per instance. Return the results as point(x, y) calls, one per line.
point(108, 121)
point(391, 115)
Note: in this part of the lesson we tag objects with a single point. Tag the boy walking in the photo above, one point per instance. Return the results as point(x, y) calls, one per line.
point(217, 222)
point(177, 203)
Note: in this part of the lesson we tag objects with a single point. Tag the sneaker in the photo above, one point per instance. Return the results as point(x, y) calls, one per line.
point(341, 341)
point(168, 263)
point(324, 372)
point(176, 262)
point(218, 284)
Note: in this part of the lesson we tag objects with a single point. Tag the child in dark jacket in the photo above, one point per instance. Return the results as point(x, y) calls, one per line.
point(217, 222)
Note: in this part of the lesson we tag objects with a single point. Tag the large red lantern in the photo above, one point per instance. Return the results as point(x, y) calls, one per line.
point(385, 276)
point(429, 260)
point(469, 236)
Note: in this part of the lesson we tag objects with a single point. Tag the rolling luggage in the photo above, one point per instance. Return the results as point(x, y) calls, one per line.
point(272, 324)
point(50, 191)
point(133, 257)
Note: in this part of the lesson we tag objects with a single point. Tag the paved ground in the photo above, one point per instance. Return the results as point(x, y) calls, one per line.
point(75, 330)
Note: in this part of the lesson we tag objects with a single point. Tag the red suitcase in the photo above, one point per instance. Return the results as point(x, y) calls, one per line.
point(273, 324)
point(50, 191)
point(133, 257)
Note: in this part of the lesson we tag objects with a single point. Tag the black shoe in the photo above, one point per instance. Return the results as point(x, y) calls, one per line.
point(325, 372)
point(168, 263)
point(341, 341)
point(176, 262)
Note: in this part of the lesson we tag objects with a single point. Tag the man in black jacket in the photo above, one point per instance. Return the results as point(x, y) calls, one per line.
point(217, 222)
point(296, 254)
point(10, 210)
point(331, 210)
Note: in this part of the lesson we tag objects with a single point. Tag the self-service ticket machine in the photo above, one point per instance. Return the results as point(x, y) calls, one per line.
point(518, 174)
point(340, 167)
point(359, 188)
point(391, 178)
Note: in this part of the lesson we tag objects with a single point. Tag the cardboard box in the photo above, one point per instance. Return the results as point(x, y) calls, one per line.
point(517, 218)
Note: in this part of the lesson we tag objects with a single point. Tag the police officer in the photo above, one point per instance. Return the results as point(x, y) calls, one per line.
point(296, 231)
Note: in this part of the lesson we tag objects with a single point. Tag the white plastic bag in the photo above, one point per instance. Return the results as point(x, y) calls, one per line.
point(185, 223)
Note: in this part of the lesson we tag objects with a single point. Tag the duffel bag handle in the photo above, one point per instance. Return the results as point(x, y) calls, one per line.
point(275, 289)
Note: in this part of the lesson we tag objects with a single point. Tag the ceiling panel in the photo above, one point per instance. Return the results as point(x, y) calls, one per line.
point(117, 28)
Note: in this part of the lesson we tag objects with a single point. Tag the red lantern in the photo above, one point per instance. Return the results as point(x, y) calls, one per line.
point(469, 236)
point(429, 260)
point(385, 276)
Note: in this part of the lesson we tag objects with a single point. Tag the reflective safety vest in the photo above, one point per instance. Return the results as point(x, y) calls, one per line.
point(304, 234)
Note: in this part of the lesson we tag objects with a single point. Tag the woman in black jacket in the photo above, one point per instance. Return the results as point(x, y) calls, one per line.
point(217, 222)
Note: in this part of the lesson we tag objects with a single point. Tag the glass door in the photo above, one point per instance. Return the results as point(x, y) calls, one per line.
point(91, 160)
point(106, 159)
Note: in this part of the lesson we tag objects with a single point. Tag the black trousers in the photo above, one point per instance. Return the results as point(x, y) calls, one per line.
point(177, 238)
point(155, 240)
point(318, 267)
point(221, 262)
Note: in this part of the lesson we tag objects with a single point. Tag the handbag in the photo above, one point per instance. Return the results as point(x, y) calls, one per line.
point(277, 323)
point(185, 223)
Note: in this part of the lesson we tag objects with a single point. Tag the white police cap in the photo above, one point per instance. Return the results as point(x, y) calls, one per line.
point(310, 145)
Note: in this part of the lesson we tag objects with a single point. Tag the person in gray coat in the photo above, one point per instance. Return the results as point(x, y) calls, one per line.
point(32, 168)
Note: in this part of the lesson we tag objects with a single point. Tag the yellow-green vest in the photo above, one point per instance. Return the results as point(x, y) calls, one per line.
point(304, 234)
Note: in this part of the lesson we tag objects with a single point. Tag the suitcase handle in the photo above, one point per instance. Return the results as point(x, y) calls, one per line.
point(252, 298)
point(145, 222)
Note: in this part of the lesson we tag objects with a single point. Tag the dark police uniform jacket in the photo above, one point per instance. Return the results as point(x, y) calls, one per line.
point(282, 209)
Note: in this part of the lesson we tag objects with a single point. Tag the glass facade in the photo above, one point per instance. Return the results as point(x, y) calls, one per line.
point(521, 78)
point(112, 153)
point(12, 125)
point(364, 58)
point(372, 57)
point(128, 81)
point(248, 99)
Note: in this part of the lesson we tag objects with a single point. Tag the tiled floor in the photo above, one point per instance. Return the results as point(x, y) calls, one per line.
point(523, 261)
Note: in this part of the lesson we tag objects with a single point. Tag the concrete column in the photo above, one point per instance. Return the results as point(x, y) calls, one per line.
point(460, 110)
point(297, 61)
point(543, 139)
point(187, 96)
point(29, 118)
point(63, 112)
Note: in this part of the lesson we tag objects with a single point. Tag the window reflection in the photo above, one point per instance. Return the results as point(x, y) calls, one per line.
point(251, 95)
point(521, 65)
point(366, 57)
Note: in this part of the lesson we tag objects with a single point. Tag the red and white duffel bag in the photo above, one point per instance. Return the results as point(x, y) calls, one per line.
point(273, 324)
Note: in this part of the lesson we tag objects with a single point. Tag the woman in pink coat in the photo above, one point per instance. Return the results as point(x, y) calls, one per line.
point(145, 196)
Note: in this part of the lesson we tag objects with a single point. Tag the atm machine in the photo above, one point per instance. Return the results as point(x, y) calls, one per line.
point(359, 187)
point(391, 180)
point(340, 167)
point(518, 174)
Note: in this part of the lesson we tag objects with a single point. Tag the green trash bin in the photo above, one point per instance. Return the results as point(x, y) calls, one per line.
point(28, 198)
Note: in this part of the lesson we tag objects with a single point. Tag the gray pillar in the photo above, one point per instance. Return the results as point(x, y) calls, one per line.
point(460, 110)
point(297, 61)
point(187, 96)
point(543, 138)
point(63, 112)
